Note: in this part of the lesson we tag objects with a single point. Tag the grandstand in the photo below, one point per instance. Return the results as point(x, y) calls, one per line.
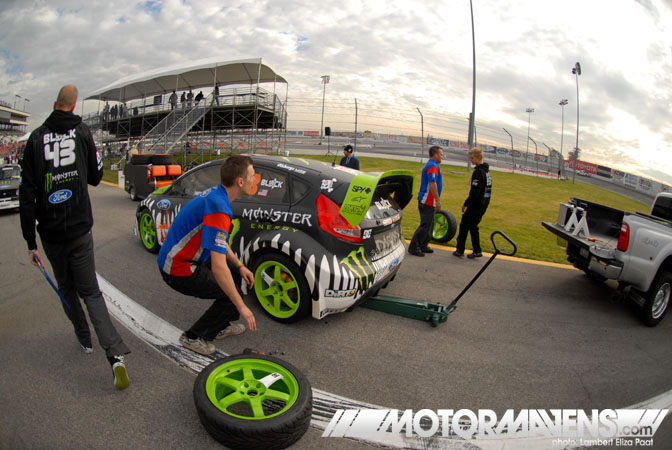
point(13, 124)
point(235, 113)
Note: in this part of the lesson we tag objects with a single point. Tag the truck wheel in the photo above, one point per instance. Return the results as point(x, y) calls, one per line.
point(445, 226)
point(147, 231)
point(281, 288)
point(132, 194)
point(253, 402)
point(657, 299)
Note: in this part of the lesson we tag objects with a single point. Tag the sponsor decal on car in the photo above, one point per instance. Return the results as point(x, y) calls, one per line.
point(355, 261)
point(60, 196)
point(163, 204)
point(273, 184)
point(268, 227)
point(291, 168)
point(328, 185)
point(277, 216)
point(340, 293)
point(383, 204)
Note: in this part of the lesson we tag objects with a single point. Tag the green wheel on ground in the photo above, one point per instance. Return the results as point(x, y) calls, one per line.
point(253, 402)
point(445, 226)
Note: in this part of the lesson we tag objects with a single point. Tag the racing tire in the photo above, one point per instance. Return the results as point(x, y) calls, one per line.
point(281, 288)
point(657, 299)
point(147, 231)
point(162, 159)
point(132, 194)
point(141, 159)
point(243, 404)
point(445, 226)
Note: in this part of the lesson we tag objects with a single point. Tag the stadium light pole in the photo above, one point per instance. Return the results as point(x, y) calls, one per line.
point(576, 71)
point(472, 116)
point(24, 104)
point(536, 156)
point(562, 103)
point(513, 160)
point(15, 97)
point(422, 133)
point(325, 81)
point(529, 112)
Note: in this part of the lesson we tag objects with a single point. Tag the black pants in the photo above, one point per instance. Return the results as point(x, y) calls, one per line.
point(74, 268)
point(423, 234)
point(202, 284)
point(469, 224)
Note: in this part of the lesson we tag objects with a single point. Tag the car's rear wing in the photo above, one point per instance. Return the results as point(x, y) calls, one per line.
point(364, 185)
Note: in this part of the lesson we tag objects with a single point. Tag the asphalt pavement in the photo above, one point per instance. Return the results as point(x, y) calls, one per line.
point(524, 336)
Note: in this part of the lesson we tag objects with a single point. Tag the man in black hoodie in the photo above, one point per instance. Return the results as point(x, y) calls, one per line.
point(58, 162)
point(475, 205)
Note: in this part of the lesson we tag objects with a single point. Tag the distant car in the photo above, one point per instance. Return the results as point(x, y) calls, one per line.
point(502, 151)
point(319, 238)
point(10, 179)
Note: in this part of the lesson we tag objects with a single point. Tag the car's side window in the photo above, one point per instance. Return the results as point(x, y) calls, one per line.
point(299, 189)
point(200, 180)
point(270, 187)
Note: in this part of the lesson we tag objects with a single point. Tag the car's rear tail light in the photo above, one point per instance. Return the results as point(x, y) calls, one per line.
point(331, 221)
point(623, 237)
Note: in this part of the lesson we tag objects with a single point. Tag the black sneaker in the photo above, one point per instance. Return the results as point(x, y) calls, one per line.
point(475, 255)
point(458, 254)
point(415, 253)
point(427, 250)
point(119, 371)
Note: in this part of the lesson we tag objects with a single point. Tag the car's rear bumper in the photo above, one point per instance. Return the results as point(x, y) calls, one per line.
point(9, 204)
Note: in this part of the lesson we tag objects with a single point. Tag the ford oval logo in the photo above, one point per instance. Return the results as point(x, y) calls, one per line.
point(60, 196)
point(163, 204)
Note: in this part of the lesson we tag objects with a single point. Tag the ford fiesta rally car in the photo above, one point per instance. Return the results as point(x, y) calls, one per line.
point(318, 238)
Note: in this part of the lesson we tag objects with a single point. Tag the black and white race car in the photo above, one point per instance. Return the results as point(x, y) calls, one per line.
point(319, 238)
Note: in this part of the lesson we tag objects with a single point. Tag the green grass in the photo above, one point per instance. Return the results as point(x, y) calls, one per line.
point(519, 204)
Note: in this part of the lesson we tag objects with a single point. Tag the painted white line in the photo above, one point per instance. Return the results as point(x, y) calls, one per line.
point(164, 337)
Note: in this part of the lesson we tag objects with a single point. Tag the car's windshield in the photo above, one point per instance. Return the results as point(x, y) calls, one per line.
point(10, 172)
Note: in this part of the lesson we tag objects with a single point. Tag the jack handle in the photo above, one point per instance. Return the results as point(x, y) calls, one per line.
point(497, 250)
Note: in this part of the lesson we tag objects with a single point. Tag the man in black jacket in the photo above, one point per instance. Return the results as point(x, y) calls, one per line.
point(58, 163)
point(475, 205)
point(349, 159)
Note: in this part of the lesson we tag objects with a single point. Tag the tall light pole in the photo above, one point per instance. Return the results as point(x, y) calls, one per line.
point(576, 71)
point(24, 104)
point(513, 160)
point(325, 81)
point(422, 133)
point(472, 116)
point(529, 112)
point(562, 103)
point(16, 96)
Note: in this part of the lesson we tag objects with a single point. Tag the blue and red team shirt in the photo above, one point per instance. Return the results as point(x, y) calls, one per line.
point(201, 226)
point(431, 172)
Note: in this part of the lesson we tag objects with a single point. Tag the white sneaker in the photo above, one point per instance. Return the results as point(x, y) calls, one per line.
point(197, 345)
point(231, 330)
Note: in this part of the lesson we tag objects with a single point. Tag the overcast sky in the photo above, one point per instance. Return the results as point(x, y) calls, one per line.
point(403, 53)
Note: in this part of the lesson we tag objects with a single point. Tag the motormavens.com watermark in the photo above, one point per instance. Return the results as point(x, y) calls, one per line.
point(566, 427)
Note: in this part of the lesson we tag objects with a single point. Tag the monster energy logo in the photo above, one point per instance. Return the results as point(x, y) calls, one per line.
point(355, 261)
point(234, 230)
point(47, 183)
point(50, 178)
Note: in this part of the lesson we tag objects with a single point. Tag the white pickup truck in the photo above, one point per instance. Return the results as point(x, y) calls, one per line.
point(634, 249)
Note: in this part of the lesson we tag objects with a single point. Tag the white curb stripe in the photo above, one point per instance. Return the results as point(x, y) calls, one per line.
point(164, 337)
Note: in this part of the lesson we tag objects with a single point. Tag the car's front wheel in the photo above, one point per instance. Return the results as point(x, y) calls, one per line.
point(147, 230)
point(132, 194)
point(281, 287)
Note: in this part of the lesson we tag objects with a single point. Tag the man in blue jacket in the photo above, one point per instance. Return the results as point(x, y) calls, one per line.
point(349, 159)
point(429, 200)
point(58, 163)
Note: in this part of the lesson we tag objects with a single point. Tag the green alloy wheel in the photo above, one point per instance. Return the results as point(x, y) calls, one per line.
point(445, 226)
point(281, 288)
point(147, 232)
point(253, 401)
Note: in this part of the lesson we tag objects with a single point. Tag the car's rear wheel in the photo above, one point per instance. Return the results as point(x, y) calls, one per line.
point(445, 226)
point(281, 287)
point(147, 230)
point(657, 299)
point(132, 194)
point(253, 402)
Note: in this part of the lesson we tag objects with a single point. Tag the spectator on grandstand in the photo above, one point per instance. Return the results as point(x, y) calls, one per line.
point(215, 97)
point(113, 112)
point(106, 111)
point(183, 100)
point(199, 97)
point(190, 99)
point(173, 101)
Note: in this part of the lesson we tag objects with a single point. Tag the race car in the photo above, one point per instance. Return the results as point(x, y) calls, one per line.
point(10, 179)
point(318, 238)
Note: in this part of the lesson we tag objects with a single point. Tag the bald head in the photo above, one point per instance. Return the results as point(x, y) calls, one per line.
point(67, 98)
